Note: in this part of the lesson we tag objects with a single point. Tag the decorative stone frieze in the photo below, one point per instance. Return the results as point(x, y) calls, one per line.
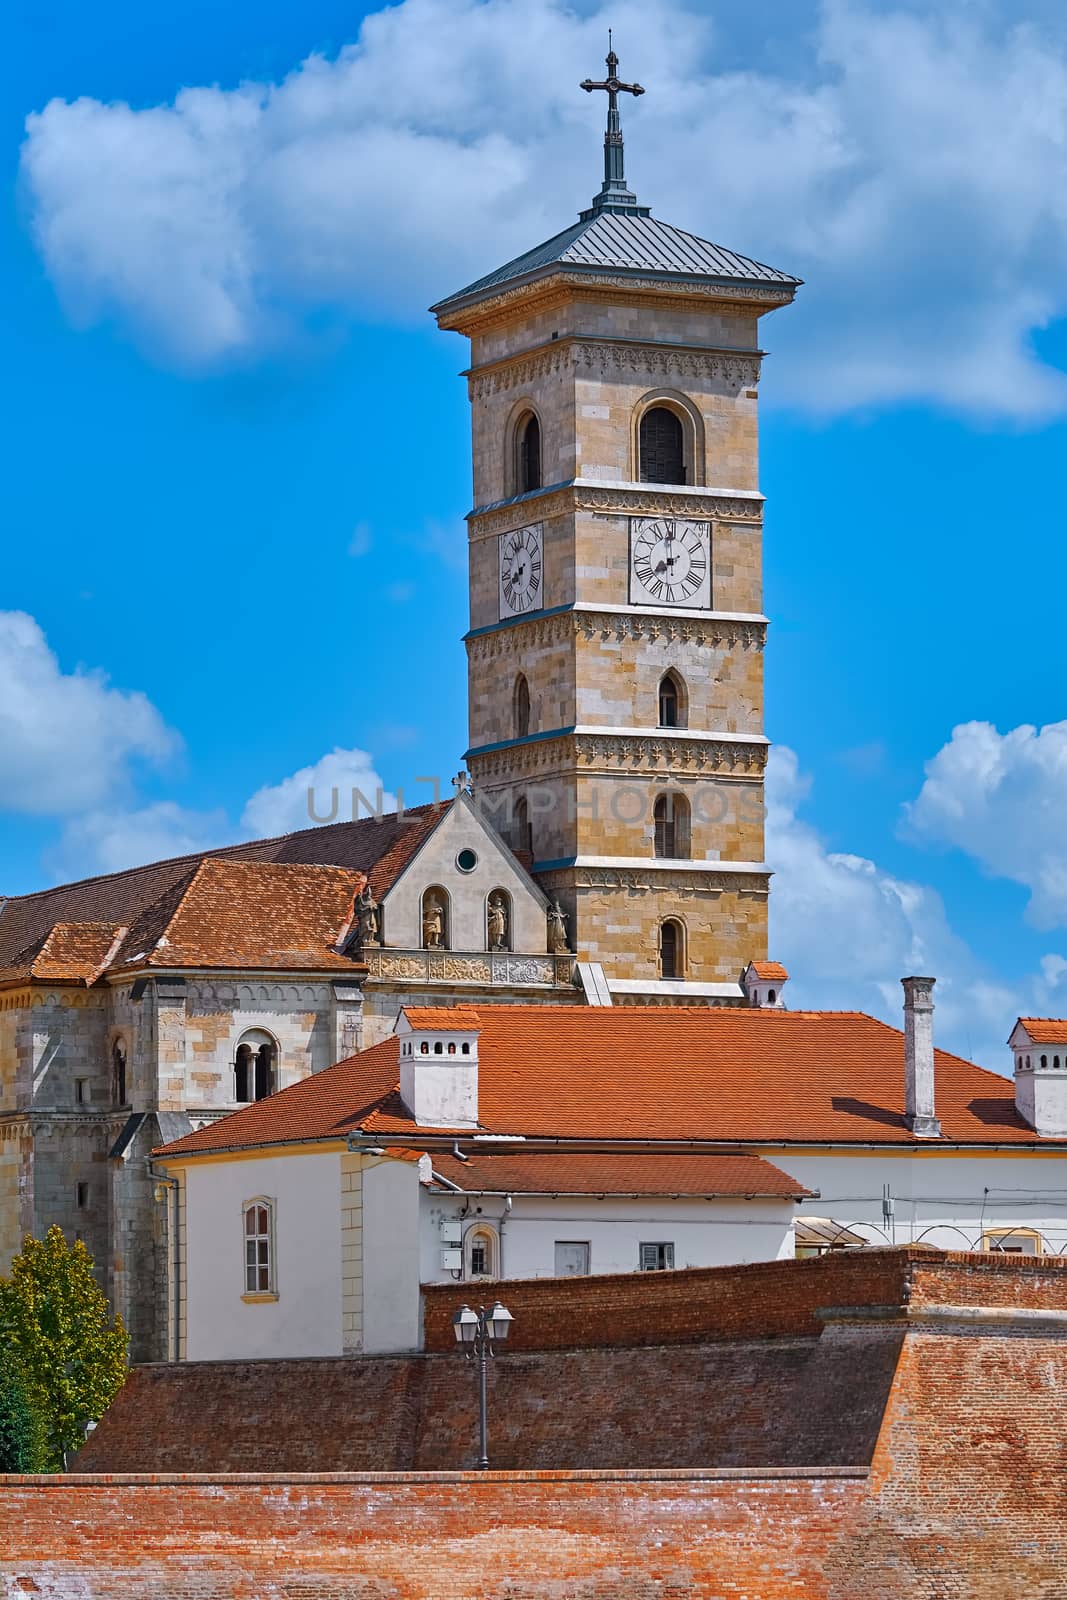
point(617, 753)
point(473, 967)
point(536, 633)
point(674, 881)
point(739, 369)
point(546, 292)
point(606, 499)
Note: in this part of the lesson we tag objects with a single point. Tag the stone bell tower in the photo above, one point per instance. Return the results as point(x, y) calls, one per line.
point(616, 627)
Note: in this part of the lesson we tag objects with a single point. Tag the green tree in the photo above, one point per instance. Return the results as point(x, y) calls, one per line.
point(23, 1442)
point(56, 1323)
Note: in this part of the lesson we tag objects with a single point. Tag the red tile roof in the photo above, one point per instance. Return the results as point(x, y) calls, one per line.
point(76, 952)
point(725, 1074)
point(149, 900)
point(1045, 1030)
point(442, 1019)
point(551, 1174)
point(769, 971)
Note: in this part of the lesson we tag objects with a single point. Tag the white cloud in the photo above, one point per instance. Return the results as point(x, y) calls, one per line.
point(67, 739)
point(1002, 798)
point(848, 931)
point(109, 841)
point(338, 787)
point(908, 162)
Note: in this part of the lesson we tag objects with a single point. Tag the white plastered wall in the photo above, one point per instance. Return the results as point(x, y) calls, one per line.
point(305, 1319)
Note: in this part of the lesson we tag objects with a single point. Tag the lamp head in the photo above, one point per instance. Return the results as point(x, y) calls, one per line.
point(465, 1325)
point(499, 1322)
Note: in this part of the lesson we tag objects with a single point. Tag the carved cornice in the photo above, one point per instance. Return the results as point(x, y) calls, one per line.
point(677, 882)
point(605, 499)
point(481, 968)
point(538, 633)
point(736, 369)
point(618, 753)
point(556, 288)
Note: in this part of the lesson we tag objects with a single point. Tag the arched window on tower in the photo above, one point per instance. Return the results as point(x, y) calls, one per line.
point(522, 707)
point(255, 1066)
point(662, 446)
point(528, 439)
point(672, 707)
point(671, 949)
point(671, 818)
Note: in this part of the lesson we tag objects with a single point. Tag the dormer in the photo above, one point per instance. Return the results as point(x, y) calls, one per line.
point(439, 1065)
point(1039, 1048)
point(763, 982)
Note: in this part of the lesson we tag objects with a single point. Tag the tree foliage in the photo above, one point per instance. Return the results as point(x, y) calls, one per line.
point(23, 1441)
point(55, 1322)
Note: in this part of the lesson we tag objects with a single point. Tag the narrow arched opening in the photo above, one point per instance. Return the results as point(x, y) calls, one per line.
point(521, 706)
point(671, 949)
point(528, 451)
point(255, 1067)
point(672, 826)
point(661, 446)
point(672, 706)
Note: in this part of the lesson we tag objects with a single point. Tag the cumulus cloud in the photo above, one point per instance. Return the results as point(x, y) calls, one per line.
point(67, 739)
point(1002, 798)
point(339, 787)
point(848, 930)
point(908, 162)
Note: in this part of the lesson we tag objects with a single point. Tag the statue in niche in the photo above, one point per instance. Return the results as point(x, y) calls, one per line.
point(557, 930)
point(497, 922)
point(367, 912)
point(433, 923)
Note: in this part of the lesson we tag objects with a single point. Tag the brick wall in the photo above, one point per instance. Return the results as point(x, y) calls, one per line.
point(765, 1299)
point(746, 1403)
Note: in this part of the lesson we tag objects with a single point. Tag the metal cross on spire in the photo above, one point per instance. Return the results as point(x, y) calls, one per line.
point(614, 192)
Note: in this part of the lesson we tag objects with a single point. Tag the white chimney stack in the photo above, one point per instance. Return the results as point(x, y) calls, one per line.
point(1039, 1045)
point(439, 1064)
point(919, 1058)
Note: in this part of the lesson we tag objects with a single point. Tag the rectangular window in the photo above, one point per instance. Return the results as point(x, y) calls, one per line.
point(81, 1091)
point(572, 1258)
point(259, 1254)
point(657, 1257)
point(83, 1196)
point(1013, 1241)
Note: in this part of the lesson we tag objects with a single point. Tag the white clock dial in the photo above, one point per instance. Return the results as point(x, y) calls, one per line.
point(670, 562)
point(521, 570)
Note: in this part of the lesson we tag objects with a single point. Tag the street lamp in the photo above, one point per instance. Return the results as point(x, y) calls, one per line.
point(476, 1333)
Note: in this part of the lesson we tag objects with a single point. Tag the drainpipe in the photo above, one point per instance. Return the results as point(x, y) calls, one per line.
point(164, 1181)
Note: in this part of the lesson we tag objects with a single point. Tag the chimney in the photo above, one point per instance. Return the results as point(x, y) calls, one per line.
point(763, 982)
point(1039, 1045)
point(919, 1058)
point(439, 1065)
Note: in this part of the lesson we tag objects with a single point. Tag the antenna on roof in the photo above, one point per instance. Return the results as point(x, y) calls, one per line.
point(614, 195)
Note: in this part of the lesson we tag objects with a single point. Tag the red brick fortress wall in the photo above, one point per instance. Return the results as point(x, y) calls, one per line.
point(764, 1300)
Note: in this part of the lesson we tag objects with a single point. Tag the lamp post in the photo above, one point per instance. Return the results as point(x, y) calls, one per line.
point(476, 1333)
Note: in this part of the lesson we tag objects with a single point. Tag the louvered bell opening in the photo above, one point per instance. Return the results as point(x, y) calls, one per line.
point(530, 457)
point(662, 447)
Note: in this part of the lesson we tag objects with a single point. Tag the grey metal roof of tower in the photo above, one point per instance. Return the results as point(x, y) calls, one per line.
point(627, 241)
point(618, 235)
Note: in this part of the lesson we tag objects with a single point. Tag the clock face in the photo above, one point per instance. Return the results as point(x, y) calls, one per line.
point(521, 570)
point(670, 562)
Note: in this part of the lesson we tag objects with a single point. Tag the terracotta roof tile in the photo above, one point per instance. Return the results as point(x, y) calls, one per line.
point(251, 914)
point(727, 1174)
point(769, 971)
point(72, 952)
point(729, 1074)
point(442, 1019)
point(146, 899)
point(1045, 1030)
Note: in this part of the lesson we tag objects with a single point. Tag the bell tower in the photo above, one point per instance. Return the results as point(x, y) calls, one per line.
point(616, 625)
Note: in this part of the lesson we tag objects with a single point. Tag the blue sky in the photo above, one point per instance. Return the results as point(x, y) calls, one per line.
point(222, 236)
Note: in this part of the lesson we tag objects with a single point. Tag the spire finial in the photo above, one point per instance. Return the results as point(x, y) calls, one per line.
point(614, 194)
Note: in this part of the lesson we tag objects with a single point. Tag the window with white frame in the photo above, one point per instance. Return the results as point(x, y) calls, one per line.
point(657, 1257)
point(481, 1250)
point(259, 1247)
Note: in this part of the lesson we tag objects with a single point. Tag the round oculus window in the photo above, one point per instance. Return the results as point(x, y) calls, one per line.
point(466, 861)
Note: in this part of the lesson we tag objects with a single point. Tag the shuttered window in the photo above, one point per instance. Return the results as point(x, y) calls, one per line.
point(661, 447)
point(530, 456)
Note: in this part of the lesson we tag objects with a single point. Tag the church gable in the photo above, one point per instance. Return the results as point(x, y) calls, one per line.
point(465, 890)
